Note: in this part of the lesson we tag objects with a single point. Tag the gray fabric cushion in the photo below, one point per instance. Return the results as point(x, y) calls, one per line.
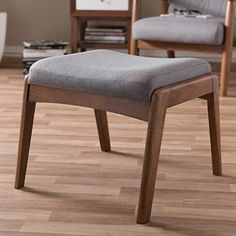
point(217, 8)
point(214, 7)
point(114, 74)
point(181, 30)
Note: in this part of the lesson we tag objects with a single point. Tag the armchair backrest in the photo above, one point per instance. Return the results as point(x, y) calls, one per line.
point(212, 7)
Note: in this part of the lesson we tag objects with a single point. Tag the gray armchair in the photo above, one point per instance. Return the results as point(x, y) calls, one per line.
point(208, 35)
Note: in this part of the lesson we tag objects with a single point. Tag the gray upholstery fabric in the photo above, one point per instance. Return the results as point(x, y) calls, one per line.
point(181, 30)
point(214, 7)
point(217, 8)
point(114, 74)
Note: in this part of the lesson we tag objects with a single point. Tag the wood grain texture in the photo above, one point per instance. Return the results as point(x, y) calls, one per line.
point(75, 189)
point(103, 131)
point(170, 54)
point(214, 124)
point(131, 108)
point(27, 118)
point(135, 16)
point(228, 49)
point(151, 158)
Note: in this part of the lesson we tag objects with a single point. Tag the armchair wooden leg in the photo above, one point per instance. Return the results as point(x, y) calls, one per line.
point(214, 124)
point(228, 47)
point(170, 54)
point(151, 158)
point(134, 47)
point(225, 71)
point(27, 118)
point(103, 131)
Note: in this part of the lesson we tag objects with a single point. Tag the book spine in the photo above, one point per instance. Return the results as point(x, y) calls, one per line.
point(31, 53)
point(104, 30)
point(103, 38)
point(105, 33)
point(106, 41)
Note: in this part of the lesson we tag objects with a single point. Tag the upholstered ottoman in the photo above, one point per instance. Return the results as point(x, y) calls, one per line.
point(138, 87)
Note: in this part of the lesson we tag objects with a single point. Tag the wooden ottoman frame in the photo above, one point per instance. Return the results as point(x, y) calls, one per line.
point(154, 112)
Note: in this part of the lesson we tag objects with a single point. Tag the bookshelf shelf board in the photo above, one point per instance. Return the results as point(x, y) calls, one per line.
point(105, 18)
point(101, 14)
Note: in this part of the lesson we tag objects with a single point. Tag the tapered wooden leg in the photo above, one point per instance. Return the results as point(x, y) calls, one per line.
point(225, 72)
point(27, 118)
point(133, 50)
point(74, 34)
point(103, 131)
point(228, 47)
point(170, 54)
point(151, 159)
point(82, 28)
point(214, 123)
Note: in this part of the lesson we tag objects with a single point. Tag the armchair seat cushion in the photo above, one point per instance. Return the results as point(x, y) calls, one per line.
point(180, 30)
point(212, 7)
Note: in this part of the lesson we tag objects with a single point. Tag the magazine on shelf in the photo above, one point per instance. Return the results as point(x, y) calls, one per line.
point(106, 34)
point(41, 44)
point(109, 38)
point(106, 29)
point(102, 33)
point(27, 53)
point(106, 41)
point(35, 50)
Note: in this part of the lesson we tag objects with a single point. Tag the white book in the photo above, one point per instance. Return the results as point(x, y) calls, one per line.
point(34, 53)
point(101, 37)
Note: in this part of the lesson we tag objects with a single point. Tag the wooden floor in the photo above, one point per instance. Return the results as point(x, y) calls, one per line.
point(74, 189)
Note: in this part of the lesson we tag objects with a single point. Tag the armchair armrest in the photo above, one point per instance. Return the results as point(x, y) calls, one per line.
point(230, 15)
point(135, 10)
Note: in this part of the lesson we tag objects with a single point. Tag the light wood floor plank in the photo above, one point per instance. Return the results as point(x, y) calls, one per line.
point(72, 188)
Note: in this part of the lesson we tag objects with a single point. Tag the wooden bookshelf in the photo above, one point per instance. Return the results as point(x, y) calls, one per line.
point(81, 17)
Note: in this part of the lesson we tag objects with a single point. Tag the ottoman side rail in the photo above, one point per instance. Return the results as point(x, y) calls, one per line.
point(131, 108)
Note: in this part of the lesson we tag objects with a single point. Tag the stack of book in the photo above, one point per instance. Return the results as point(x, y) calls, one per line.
point(106, 34)
point(36, 50)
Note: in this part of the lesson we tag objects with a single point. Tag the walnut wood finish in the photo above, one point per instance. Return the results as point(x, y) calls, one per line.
point(179, 46)
point(152, 152)
point(135, 16)
point(27, 118)
point(154, 112)
point(170, 54)
point(226, 48)
point(214, 124)
point(116, 105)
point(103, 131)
